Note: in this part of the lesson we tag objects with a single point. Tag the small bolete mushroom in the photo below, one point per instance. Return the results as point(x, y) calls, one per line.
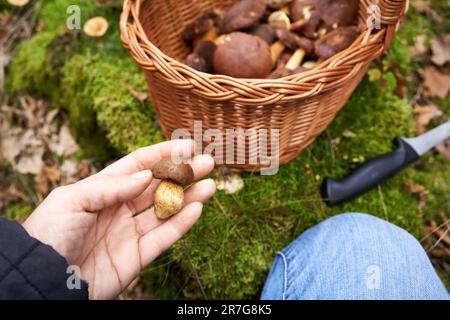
point(278, 4)
point(265, 32)
point(96, 27)
point(197, 62)
point(242, 55)
point(202, 25)
point(339, 13)
point(206, 49)
point(169, 196)
point(306, 15)
point(336, 41)
point(243, 14)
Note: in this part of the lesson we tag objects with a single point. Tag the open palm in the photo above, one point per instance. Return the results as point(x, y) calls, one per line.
point(105, 224)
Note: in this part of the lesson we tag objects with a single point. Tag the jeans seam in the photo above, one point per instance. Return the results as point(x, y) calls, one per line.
point(285, 273)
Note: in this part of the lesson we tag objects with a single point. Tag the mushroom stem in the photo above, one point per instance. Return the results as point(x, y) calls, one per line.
point(276, 50)
point(169, 199)
point(211, 35)
point(298, 24)
point(279, 20)
point(296, 59)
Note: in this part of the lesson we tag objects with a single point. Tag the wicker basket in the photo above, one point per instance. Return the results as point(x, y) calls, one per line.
point(300, 106)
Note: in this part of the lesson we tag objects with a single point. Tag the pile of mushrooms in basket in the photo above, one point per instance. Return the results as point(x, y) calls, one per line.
point(271, 38)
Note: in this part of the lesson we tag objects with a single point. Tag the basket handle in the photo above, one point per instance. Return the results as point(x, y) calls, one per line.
point(392, 12)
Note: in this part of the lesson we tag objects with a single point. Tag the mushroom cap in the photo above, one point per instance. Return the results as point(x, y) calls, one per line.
point(265, 32)
point(197, 62)
point(180, 173)
point(338, 13)
point(243, 14)
point(206, 49)
point(96, 27)
point(336, 41)
point(242, 55)
point(18, 3)
point(277, 4)
point(200, 26)
point(169, 199)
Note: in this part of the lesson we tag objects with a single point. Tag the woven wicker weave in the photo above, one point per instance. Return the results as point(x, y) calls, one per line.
point(300, 106)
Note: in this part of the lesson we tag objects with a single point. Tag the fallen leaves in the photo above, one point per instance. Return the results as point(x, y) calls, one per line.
point(424, 115)
point(436, 83)
point(437, 243)
point(36, 140)
point(420, 191)
point(441, 50)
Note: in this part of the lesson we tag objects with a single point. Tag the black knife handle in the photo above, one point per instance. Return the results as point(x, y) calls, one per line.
point(368, 175)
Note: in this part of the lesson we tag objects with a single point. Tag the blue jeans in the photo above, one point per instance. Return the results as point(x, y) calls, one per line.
point(353, 256)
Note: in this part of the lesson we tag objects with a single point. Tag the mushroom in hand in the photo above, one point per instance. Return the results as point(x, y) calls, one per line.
point(169, 196)
point(242, 55)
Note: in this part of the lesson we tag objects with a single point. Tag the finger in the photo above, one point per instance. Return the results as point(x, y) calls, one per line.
point(96, 194)
point(200, 192)
point(146, 158)
point(202, 165)
point(158, 240)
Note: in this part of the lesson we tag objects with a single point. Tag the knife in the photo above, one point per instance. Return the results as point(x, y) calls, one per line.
point(377, 170)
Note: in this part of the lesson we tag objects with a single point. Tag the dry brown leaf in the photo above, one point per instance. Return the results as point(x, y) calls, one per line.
point(423, 6)
point(424, 114)
point(141, 96)
point(436, 83)
point(63, 144)
point(420, 191)
point(419, 49)
point(52, 173)
point(441, 50)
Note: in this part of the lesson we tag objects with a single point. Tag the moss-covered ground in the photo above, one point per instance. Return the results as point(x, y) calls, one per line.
point(228, 253)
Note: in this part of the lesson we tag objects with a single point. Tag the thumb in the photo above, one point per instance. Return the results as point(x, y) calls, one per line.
point(106, 191)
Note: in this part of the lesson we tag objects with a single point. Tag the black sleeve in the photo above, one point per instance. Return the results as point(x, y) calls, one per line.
point(31, 270)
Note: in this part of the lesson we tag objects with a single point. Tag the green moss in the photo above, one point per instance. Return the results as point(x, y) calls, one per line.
point(18, 212)
point(54, 14)
point(95, 83)
point(29, 71)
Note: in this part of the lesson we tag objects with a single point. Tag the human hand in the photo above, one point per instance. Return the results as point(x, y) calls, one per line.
point(104, 225)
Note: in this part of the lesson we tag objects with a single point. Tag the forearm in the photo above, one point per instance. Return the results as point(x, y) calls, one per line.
point(30, 269)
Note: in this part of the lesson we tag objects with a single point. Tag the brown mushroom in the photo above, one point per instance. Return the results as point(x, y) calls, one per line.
point(242, 15)
point(169, 196)
point(306, 16)
point(197, 62)
point(293, 41)
point(340, 13)
point(265, 32)
point(202, 25)
point(95, 27)
point(241, 55)
point(206, 49)
point(277, 4)
point(336, 41)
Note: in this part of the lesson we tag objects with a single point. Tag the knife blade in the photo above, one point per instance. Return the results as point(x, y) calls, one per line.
point(375, 171)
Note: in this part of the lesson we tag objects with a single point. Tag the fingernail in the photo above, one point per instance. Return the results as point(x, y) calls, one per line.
point(141, 174)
